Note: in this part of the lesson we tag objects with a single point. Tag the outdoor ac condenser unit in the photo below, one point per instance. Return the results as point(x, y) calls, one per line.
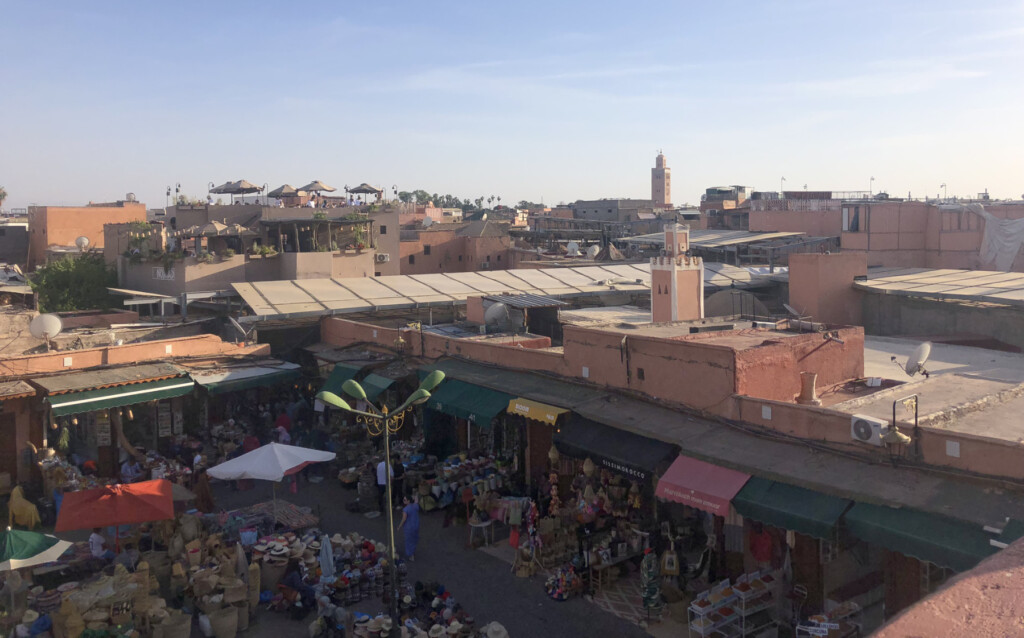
point(867, 429)
point(383, 257)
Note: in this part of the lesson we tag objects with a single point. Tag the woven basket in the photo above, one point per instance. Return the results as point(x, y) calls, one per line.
point(224, 622)
point(243, 615)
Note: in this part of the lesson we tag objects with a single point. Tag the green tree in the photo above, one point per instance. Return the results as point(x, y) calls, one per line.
point(74, 284)
point(3, 195)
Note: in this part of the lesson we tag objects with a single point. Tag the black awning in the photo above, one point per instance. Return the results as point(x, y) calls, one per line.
point(631, 454)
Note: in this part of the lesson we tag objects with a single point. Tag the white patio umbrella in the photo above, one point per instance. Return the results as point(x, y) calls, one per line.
point(271, 462)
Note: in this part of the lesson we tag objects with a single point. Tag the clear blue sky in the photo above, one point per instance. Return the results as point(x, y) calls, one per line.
point(526, 100)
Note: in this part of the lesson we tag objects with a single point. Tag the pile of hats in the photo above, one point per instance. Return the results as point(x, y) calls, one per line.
point(362, 568)
point(44, 601)
point(563, 584)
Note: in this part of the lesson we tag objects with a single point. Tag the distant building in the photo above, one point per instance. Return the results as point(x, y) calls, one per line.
point(661, 182)
point(465, 247)
point(55, 228)
point(14, 242)
point(615, 210)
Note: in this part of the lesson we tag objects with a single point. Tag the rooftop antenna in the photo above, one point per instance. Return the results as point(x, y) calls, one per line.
point(916, 360)
point(82, 242)
point(46, 327)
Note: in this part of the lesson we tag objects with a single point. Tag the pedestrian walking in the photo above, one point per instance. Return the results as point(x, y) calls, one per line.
point(411, 523)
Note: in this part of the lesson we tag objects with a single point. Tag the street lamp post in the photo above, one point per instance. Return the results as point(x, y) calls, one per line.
point(871, 185)
point(381, 422)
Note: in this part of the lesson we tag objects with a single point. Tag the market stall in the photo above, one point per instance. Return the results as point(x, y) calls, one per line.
point(99, 418)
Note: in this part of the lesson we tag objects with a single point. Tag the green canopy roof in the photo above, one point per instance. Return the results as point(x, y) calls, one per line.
point(341, 373)
point(468, 401)
point(118, 396)
point(790, 507)
point(929, 537)
point(374, 385)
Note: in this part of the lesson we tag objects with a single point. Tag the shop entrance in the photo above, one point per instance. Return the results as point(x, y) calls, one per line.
point(8, 445)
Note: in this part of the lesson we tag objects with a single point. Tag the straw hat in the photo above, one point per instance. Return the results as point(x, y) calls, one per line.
point(337, 539)
point(385, 623)
point(453, 629)
point(314, 545)
point(495, 630)
point(29, 617)
point(436, 631)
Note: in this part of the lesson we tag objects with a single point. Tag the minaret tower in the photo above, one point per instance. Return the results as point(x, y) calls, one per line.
point(661, 182)
point(677, 279)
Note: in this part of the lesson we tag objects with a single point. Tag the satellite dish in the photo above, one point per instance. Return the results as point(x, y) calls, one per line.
point(592, 251)
point(46, 327)
point(497, 314)
point(82, 242)
point(791, 310)
point(915, 362)
point(427, 222)
point(573, 249)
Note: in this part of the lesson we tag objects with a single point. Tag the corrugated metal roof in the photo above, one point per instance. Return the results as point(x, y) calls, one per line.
point(712, 238)
point(525, 301)
point(123, 375)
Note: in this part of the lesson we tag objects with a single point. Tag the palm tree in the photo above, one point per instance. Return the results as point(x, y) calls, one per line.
point(3, 195)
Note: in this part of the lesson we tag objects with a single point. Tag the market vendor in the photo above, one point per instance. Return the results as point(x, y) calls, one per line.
point(131, 471)
point(98, 545)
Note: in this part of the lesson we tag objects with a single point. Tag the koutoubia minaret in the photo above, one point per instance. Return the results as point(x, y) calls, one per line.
point(661, 182)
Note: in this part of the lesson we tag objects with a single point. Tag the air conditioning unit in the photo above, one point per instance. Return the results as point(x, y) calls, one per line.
point(383, 257)
point(485, 265)
point(867, 429)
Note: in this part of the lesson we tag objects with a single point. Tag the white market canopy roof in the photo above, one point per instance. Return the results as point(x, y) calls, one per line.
point(955, 285)
point(271, 462)
point(314, 297)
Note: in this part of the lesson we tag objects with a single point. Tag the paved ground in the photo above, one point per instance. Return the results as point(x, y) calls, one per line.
point(482, 583)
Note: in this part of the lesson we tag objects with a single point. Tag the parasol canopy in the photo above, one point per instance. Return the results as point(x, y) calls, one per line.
point(365, 189)
point(318, 186)
point(271, 462)
point(216, 229)
point(241, 187)
point(115, 505)
point(180, 493)
point(19, 548)
point(284, 191)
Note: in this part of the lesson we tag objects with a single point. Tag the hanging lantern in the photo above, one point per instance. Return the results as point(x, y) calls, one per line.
point(74, 420)
point(553, 455)
point(129, 413)
point(588, 468)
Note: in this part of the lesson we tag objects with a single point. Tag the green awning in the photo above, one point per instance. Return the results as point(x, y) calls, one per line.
point(118, 396)
point(468, 401)
point(246, 377)
point(937, 539)
point(374, 384)
point(340, 374)
point(790, 507)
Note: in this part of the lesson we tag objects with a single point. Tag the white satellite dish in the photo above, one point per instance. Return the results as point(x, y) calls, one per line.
point(46, 327)
point(496, 315)
point(592, 251)
point(82, 242)
point(916, 360)
point(427, 222)
point(573, 249)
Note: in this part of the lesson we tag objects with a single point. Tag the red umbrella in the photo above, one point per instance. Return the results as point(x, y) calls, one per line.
point(115, 505)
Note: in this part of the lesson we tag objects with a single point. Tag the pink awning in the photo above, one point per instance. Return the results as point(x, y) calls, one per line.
point(702, 485)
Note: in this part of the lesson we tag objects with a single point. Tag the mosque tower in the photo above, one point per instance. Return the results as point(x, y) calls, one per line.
point(661, 182)
point(677, 279)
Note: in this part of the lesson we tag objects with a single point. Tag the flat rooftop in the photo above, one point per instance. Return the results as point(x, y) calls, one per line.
point(971, 390)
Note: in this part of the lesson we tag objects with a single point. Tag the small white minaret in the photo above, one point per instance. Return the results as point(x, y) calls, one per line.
point(677, 279)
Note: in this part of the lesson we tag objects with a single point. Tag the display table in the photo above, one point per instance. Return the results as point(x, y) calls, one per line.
point(486, 530)
point(599, 576)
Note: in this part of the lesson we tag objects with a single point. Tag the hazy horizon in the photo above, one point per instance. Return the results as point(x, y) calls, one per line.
point(524, 100)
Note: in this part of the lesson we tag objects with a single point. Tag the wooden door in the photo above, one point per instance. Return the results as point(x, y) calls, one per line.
point(8, 446)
